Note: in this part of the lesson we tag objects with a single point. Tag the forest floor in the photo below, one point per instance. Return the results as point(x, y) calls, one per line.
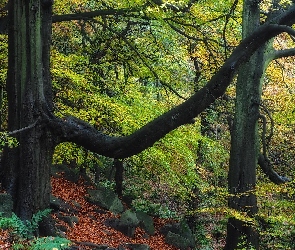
point(91, 228)
point(91, 231)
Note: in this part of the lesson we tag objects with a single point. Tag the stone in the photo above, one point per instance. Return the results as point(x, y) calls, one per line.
point(178, 235)
point(105, 198)
point(70, 220)
point(146, 222)
point(138, 246)
point(60, 205)
point(174, 228)
point(117, 206)
point(129, 218)
point(177, 241)
point(126, 224)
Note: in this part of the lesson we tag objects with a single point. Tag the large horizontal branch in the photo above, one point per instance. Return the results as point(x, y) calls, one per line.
point(79, 132)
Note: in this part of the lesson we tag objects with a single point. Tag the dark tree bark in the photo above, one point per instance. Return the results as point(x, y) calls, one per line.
point(26, 168)
point(244, 142)
point(245, 146)
point(118, 164)
point(25, 172)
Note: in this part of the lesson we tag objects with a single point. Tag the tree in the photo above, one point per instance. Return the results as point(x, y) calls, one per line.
point(245, 144)
point(25, 169)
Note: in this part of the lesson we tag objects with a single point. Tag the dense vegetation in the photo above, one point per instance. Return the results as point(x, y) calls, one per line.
point(120, 65)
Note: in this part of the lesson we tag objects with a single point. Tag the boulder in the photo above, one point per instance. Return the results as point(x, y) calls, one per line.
point(146, 222)
point(60, 205)
point(68, 173)
point(6, 205)
point(126, 224)
point(179, 235)
point(138, 246)
point(178, 241)
point(105, 198)
point(70, 220)
point(174, 228)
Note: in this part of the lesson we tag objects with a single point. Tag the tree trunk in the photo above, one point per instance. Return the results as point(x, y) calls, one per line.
point(118, 165)
point(245, 141)
point(26, 168)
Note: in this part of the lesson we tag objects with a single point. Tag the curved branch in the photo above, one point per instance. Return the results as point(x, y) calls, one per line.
point(87, 136)
point(267, 141)
point(266, 167)
point(265, 163)
point(282, 53)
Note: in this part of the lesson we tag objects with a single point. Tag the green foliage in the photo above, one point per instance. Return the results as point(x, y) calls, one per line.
point(202, 239)
point(3, 59)
point(23, 229)
point(23, 233)
point(50, 243)
point(6, 140)
point(154, 209)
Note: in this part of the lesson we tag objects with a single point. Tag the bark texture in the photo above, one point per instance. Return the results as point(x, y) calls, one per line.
point(26, 168)
point(245, 139)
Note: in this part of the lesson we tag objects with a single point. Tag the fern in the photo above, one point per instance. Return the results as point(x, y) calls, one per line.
point(23, 229)
point(33, 224)
point(49, 243)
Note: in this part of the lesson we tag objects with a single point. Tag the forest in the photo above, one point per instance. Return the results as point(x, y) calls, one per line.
point(159, 124)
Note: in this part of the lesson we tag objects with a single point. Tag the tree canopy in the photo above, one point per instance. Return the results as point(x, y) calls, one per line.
point(140, 80)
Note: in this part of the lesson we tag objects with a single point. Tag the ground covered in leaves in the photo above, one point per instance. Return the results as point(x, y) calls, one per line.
point(91, 228)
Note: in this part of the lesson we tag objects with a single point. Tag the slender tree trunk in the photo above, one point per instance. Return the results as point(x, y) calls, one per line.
point(119, 168)
point(245, 141)
point(26, 168)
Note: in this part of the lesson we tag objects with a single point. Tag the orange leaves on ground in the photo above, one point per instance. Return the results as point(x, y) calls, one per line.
point(4, 240)
point(91, 227)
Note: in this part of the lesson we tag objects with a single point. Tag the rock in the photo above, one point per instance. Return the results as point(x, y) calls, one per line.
point(76, 204)
point(6, 205)
point(105, 198)
point(103, 247)
point(126, 224)
point(129, 218)
point(174, 228)
point(62, 228)
point(60, 205)
point(117, 206)
point(179, 235)
point(138, 246)
point(186, 232)
point(146, 222)
point(69, 174)
point(177, 241)
point(70, 220)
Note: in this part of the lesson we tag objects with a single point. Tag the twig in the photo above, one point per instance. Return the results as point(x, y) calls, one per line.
point(23, 129)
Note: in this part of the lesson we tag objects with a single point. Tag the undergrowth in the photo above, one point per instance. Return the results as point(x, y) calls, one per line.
point(22, 233)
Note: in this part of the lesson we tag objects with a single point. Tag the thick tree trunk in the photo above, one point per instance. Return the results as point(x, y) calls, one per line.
point(245, 141)
point(26, 168)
